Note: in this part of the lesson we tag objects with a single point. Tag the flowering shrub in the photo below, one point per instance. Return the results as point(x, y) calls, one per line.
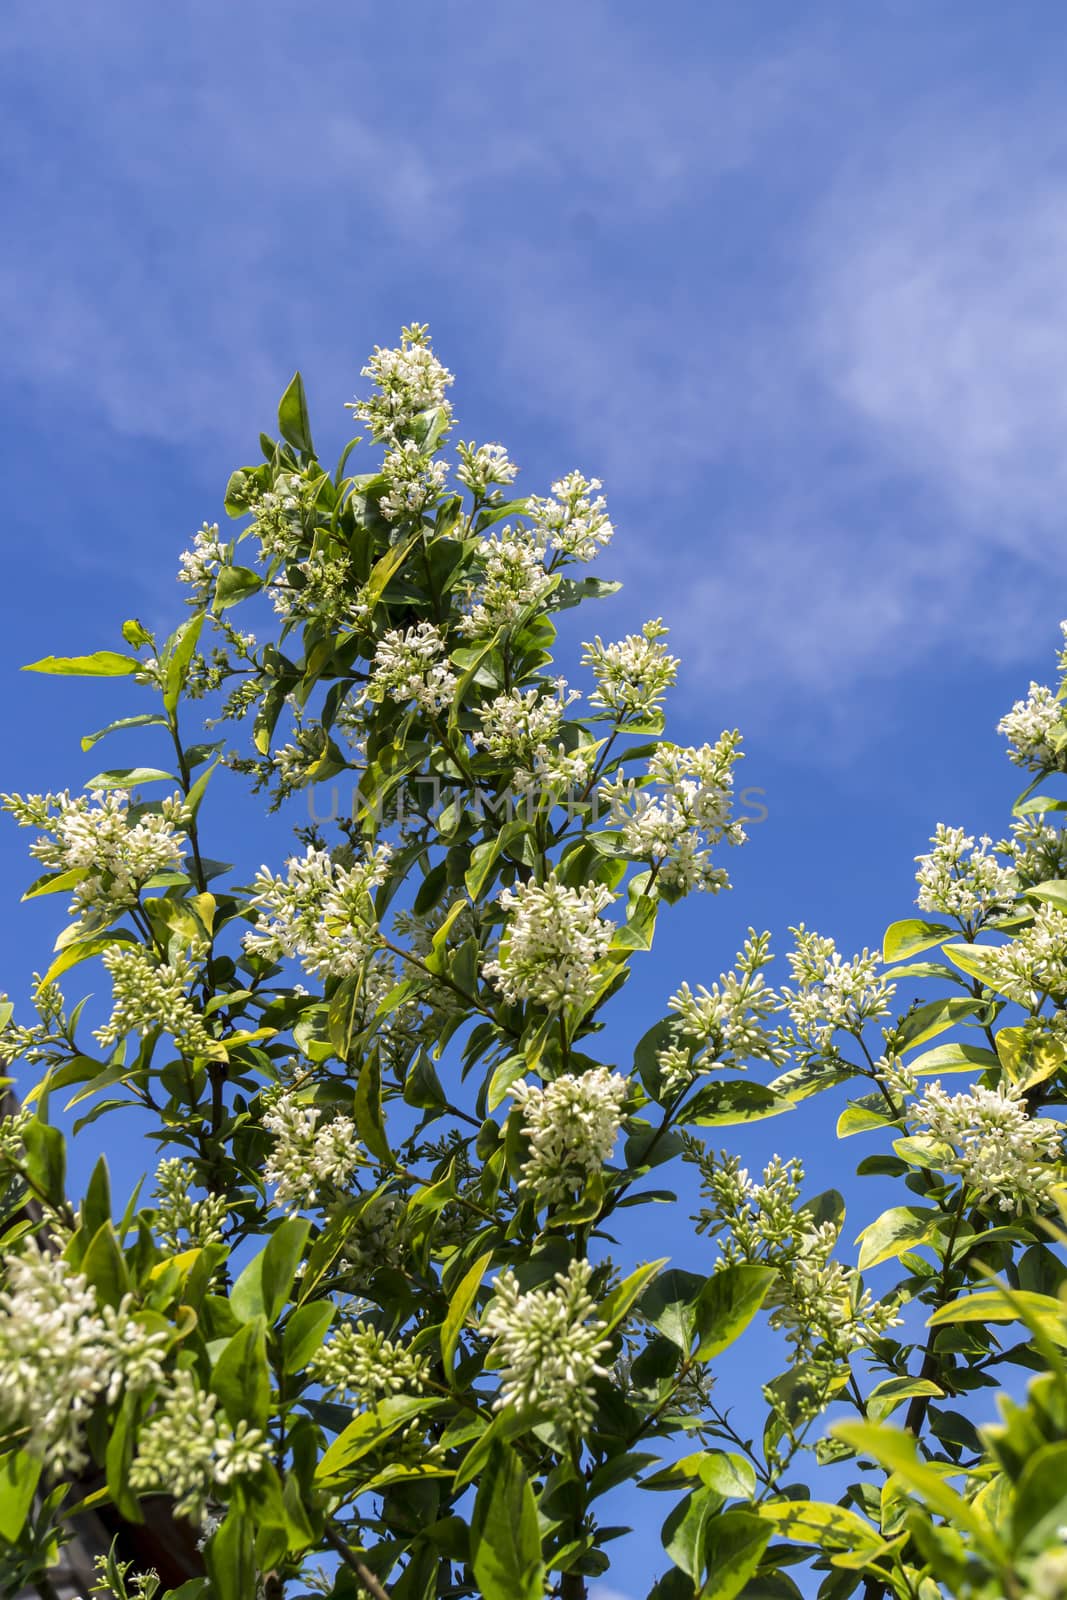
point(376, 1330)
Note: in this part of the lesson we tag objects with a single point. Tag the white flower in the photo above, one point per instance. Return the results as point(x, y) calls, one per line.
point(96, 836)
point(321, 912)
point(1037, 851)
point(514, 580)
point(998, 1149)
point(360, 1363)
point(61, 1353)
point(150, 994)
point(518, 724)
point(632, 675)
point(832, 993)
point(200, 564)
point(957, 884)
point(1031, 727)
point(408, 666)
point(306, 1156)
point(1033, 963)
point(409, 379)
point(186, 1451)
point(674, 824)
point(177, 1213)
point(725, 1022)
point(548, 1345)
point(479, 468)
point(572, 1125)
point(553, 939)
point(415, 481)
point(574, 522)
point(278, 516)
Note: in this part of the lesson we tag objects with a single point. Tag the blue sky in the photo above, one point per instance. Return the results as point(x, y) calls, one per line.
point(791, 280)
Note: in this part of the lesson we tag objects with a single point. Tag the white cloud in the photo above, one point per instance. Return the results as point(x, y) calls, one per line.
point(599, 1592)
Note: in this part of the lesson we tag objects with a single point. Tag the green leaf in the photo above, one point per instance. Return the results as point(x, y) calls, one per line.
point(104, 664)
point(176, 656)
point(815, 1522)
point(304, 1334)
point(725, 1103)
point(1040, 1506)
point(81, 950)
point(280, 1261)
point(736, 1541)
point(926, 1021)
point(118, 1459)
point(148, 719)
point(463, 1297)
point(505, 1540)
point(105, 1266)
point(233, 585)
point(612, 1310)
point(241, 1378)
point(130, 778)
point(46, 1160)
point(367, 1431)
point(909, 937)
point(293, 420)
point(367, 1107)
point(1053, 893)
point(230, 1558)
point(896, 1230)
point(683, 1534)
point(952, 1058)
point(670, 1303)
point(727, 1304)
point(19, 1475)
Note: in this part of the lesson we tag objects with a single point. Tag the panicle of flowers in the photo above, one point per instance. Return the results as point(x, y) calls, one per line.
point(13, 1126)
point(513, 581)
point(519, 724)
point(61, 1353)
point(831, 993)
point(278, 516)
point(1037, 851)
point(819, 1304)
point(413, 665)
point(997, 1148)
point(575, 521)
point(307, 1154)
point(572, 1124)
point(180, 1220)
point(961, 879)
point(322, 587)
point(408, 379)
point(379, 1235)
point(483, 466)
point(200, 564)
point(361, 1364)
point(1034, 728)
point(186, 1450)
point(414, 481)
point(632, 675)
point(98, 836)
point(548, 1345)
point(320, 912)
point(725, 1025)
point(1033, 963)
point(684, 811)
point(150, 994)
point(552, 941)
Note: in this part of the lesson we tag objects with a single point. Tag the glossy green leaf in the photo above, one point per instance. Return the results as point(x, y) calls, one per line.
point(294, 423)
point(280, 1261)
point(505, 1540)
point(19, 1476)
point(102, 664)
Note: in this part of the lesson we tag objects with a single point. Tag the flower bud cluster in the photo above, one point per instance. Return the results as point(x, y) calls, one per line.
point(513, 581)
point(320, 912)
point(1033, 728)
point(306, 1156)
point(993, 1144)
point(1033, 963)
point(151, 994)
point(726, 1024)
point(361, 1364)
point(200, 564)
point(408, 379)
point(520, 724)
point(632, 675)
point(680, 812)
point(413, 665)
point(181, 1221)
point(552, 941)
point(961, 879)
point(572, 1125)
point(548, 1346)
point(414, 481)
point(831, 993)
point(575, 522)
point(187, 1451)
point(482, 467)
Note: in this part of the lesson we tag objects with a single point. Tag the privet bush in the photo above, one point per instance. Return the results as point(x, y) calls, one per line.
point(369, 1328)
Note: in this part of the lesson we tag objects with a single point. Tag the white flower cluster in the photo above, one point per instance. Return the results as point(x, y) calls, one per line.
point(481, 467)
point(675, 823)
point(1032, 728)
point(320, 912)
point(278, 516)
point(308, 1155)
point(818, 1303)
point(553, 939)
point(186, 1450)
point(150, 994)
point(961, 879)
point(548, 1345)
point(831, 993)
point(999, 1150)
point(632, 675)
point(200, 564)
point(556, 773)
point(414, 481)
point(575, 521)
point(513, 581)
point(1036, 850)
point(413, 665)
point(726, 1023)
point(409, 379)
point(61, 1352)
point(572, 1125)
point(95, 836)
point(1033, 963)
point(379, 1235)
point(519, 725)
point(180, 1220)
point(360, 1363)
